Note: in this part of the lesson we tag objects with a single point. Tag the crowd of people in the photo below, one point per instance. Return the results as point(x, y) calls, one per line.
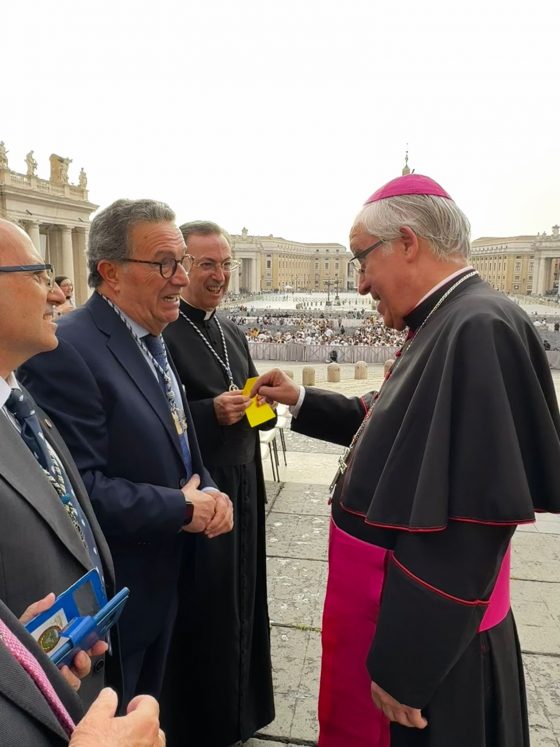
point(126, 453)
point(313, 330)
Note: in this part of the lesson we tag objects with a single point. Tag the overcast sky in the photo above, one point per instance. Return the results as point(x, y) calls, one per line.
point(283, 117)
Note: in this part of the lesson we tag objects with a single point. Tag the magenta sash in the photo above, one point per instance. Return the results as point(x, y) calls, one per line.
point(347, 715)
point(499, 603)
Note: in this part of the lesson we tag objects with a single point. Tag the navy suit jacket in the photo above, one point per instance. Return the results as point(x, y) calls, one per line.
point(115, 419)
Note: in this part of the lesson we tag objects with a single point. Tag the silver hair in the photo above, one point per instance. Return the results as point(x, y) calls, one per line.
point(436, 219)
point(203, 228)
point(110, 231)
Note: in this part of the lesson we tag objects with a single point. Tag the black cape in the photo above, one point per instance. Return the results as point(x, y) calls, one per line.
point(218, 686)
point(461, 446)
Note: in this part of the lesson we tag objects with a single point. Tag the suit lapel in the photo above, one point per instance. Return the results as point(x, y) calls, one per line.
point(129, 356)
point(16, 685)
point(20, 468)
point(55, 440)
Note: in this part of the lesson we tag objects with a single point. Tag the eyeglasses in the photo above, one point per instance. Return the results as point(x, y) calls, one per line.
point(357, 260)
point(207, 265)
point(44, 273)
point(168, 266)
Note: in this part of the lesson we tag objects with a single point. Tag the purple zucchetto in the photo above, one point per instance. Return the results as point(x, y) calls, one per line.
point(410, 184)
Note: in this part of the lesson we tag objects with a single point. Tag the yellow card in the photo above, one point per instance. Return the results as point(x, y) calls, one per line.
point(256, 414)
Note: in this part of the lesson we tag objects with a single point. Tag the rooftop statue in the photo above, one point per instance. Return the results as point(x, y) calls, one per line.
point(3, 156)
point(31, 164)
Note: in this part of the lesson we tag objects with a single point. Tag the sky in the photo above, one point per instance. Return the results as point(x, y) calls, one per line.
point(284, 117)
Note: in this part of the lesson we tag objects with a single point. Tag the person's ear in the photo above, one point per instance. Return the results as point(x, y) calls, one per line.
point(410, 243)
point(110, 272)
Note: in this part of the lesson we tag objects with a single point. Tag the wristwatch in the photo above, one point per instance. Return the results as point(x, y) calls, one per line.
point(189, 511)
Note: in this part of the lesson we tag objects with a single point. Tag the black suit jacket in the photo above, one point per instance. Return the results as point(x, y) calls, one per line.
point(40, 550)
point(108, 404)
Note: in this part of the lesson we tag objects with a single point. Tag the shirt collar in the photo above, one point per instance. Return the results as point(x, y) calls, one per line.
point(137, 329)
point(443, 282)
point(418, 314)
point(197, 315)
point(6, 386)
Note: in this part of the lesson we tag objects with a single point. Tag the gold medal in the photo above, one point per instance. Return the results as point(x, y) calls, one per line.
point(178, 424)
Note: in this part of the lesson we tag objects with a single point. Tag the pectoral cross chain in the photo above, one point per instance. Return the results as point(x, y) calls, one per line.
point(342, 467)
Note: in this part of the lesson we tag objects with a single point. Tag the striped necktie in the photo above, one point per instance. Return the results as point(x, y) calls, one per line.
point(21, 407)
point(156, 346)
point(37, 674)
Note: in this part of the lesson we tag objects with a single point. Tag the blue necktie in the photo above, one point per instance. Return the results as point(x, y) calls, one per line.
point(23, 411)
point(157, 348)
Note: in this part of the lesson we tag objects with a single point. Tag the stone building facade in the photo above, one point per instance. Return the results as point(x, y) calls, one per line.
point(523, 265)
point(54, 212)
point(270, 263)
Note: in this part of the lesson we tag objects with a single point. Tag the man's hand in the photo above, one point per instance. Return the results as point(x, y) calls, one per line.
point(275, 386)
point(101, 728)
point(396, 711)
point(204, 505)
point(36, 608)
point(223, 518)
point(230, 407)
point(81, 663)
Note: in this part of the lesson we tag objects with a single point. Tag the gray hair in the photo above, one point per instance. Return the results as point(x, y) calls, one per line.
point(436, 219)
point(110, 231)
point(203, 228)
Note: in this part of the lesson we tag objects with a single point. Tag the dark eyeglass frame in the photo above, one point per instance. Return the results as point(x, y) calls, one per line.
point(47, 268)
point(168, 262)
point(356, 261)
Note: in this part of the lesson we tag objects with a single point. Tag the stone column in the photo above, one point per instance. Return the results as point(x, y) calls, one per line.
point(234, 279)
point(541, 279)
point(32, 229)
point(537, 261)
point(549, 274)
point(79, 236)
point(256, 283)
point(67, 252)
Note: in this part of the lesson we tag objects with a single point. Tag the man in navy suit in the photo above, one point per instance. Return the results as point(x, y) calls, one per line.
point(116, 399)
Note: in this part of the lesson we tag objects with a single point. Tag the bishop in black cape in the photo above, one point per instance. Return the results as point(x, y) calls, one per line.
point(462, 445)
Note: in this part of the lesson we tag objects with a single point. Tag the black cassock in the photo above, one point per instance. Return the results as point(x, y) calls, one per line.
point(218, 686)
point(462, 445)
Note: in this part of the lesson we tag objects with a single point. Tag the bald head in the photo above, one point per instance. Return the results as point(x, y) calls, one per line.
point(14, 240)
point(26, 301)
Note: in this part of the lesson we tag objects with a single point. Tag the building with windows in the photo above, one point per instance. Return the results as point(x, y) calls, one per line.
point(521, 265)
point(270, 263)
point(54, 212)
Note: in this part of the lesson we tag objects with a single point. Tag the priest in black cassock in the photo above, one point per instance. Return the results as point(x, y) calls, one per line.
point(460, 445)
point(219, 685)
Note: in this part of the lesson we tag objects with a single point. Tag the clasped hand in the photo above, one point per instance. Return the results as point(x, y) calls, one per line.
point(212, 512)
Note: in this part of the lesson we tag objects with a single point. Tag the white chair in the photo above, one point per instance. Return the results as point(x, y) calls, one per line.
point(269, 448)
point(283, 421)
